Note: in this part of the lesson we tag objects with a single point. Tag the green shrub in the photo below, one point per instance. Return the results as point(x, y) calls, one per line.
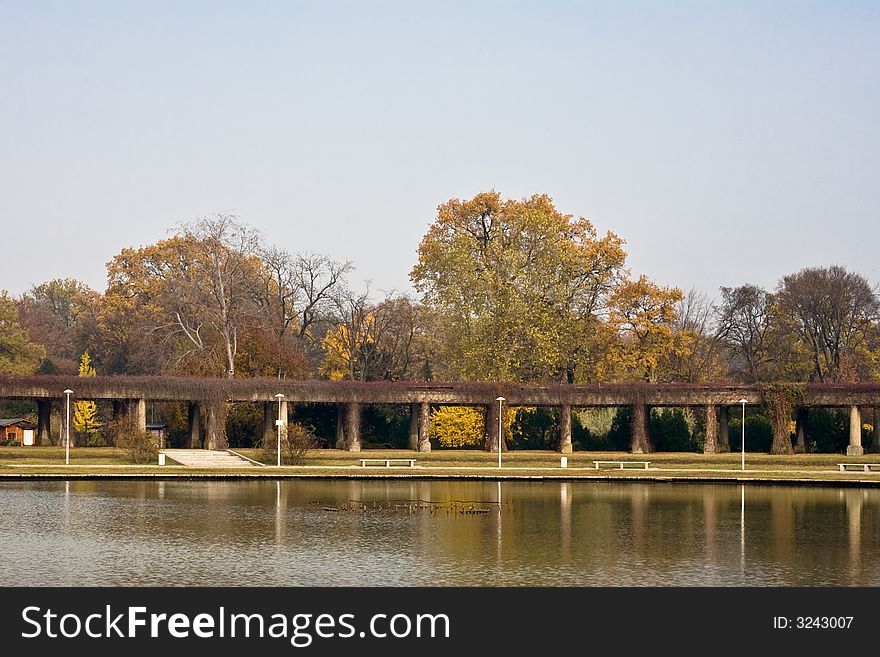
point(759, 433)
point(535, 428)
point(140, 445)
point(670, 432)
point(296, 442)
point(385, 426)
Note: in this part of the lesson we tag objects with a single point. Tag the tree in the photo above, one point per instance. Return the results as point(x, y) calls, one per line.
point(298, 292)
point(644, 315)
point(373, 341)
point(61, 315)
point(85, 412)
point(516, 286)
point(702, 360)
point(190, 297)
point(226, 251)
point(18, 355)
point(833, 313)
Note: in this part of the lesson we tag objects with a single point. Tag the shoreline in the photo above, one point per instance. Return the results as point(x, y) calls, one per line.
point(160, 473)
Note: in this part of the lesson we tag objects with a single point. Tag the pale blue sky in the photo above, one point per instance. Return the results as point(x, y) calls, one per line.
point(726, 142)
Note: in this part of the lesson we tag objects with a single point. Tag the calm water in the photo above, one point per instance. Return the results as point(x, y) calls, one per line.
point(435, 533)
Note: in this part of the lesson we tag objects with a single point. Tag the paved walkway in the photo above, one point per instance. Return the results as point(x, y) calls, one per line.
point(206, 458)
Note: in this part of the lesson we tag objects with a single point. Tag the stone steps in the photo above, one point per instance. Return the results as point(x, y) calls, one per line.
point(204, 458)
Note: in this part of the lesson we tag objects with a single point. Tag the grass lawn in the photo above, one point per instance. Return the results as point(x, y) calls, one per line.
point(55, 455)
point(100, 461)
point(548, 459)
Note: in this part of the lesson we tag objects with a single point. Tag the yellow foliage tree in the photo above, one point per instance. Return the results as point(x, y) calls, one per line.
point(85, 412)
point(463, 426)
point(517, 287)
point(457, 426)
point(643, 314)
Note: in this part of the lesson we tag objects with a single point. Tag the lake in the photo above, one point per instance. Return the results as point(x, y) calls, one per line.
point(435, 533)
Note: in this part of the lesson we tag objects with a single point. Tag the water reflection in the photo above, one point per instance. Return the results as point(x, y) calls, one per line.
point(372, 532)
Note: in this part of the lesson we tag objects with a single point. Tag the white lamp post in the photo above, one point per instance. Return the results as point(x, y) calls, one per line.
point(743, 402)
point(500, 401)
point(278, 424)
point(67, 392)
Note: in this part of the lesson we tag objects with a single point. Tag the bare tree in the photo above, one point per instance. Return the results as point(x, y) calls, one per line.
point(695, 317)
point(218, 293)
point(745, 326)
point(833, 311)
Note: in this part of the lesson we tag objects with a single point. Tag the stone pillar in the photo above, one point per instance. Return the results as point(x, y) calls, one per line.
point(63, 432)
point(267, 428)
point(353, 427)
point(44, 415)
point(490, 427)
point(424, 428)
point(641, 441)
point(139, 410)
point(284, 416)
point(194, 438)
point(215, 424)
point(724, 429)
point(340, 427)
point(800, 446)
point(413, 426)
point(855, 433)
point(565, 429)
point(710, 444)
point(876, 433)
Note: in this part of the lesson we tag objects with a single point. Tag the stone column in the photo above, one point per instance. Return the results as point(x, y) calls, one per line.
point(710, 444)
point(490, 427)
point(641, 441)
point(353, 427)
point(44, 415)
point(855, 433)
point(876, 433)
point(565, 429)
point(340, 427)
point(139, 410)
point(424, 428)
point(62, 434)
point(724, 429)
point(414, 426)
point(215, 424)
point(194, 438)
point(284, 416)
point(267, 427)
point(800, 445)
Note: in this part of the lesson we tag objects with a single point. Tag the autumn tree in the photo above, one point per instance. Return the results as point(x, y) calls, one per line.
point(644, 316)
point(372, 341)
point(61, 315)
point(833, 312)
point(299, 292)
point(516, 286)
point(18, 354)
point(85, 412)
point(192, 295)
point(703, 359)
point(225, 251)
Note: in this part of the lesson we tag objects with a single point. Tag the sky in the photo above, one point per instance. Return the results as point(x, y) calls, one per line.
point(727, 143)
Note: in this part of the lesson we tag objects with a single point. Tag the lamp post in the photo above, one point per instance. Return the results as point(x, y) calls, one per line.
point(67, 392)
point(500, 401)
point(278, 424)
point(743, 402)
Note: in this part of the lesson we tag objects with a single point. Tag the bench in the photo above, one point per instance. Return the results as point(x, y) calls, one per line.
point(864, 467)
point(388, 462)
point(622, 464)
